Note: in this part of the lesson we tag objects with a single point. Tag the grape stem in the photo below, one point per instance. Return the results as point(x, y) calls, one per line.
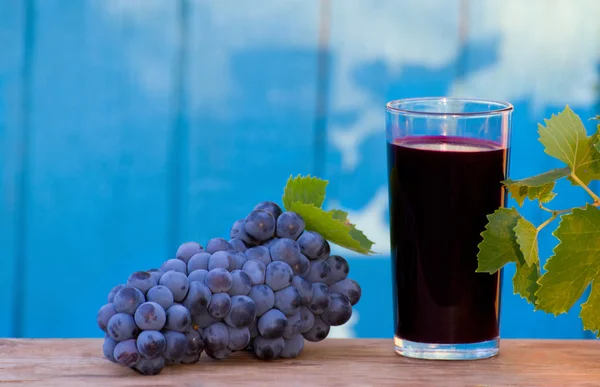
point(585, 187)
point(547, 222)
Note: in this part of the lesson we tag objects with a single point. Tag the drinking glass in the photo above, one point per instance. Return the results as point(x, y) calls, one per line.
point(446, 160)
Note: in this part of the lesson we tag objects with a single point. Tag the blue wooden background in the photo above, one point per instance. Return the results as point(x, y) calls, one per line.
point(130, 126)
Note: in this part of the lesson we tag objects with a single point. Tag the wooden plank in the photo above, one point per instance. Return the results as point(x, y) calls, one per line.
point(13, 150)
point(334, 362)
point(97, 191)
point(252, 94)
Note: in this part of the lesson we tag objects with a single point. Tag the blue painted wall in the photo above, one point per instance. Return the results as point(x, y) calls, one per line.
point(128, 127)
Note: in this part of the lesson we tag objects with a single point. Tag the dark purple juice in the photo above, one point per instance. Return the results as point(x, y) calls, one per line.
point(441, 189)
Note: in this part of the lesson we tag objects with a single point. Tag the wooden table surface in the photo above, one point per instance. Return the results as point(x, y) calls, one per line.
point(333, 362)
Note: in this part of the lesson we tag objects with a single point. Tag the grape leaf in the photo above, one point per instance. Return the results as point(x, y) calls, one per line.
point(590, 310)
point(499, 245)
point(332, 229)
point(565, 138)
point(535, 187)
point(354, 232)
point(575, 263)
point(305, 189)
point(527, 234)
point(525, 280)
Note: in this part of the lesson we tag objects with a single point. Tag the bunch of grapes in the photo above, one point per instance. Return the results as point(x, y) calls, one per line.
point(272, 285)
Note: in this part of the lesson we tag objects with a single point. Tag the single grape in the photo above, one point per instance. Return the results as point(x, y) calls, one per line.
point(339, 269)
point(150, 316)
point(278, 275)
point(204, 319)
point(319, 272)
point(187, 251)
point(294, 324)
point(242, 313)
point(108, 348)
point(128, 299)
point(150, 367)
point(216, 337)
point(156, 274)
point(293, 346)
point(260, 225)
point(219, 354)
point(174, 265)
point(349, 288)
point(289, 225)
point(151, 344)
point(177, 282)
point(190, 359)
point(308, 319)
point(287, 250)
point(338, 312)
point(238, 244)
point(111, 294)
point(126, 353)
point(239, 338)
point(260, 253)
point(198, 297)
point(241, 283)
point(198, 262)
point(195, 342)
point(255, 270)
point(238, 260)
point(161, 295)
point(268, 349)
point(221, 259)
point(271, 325)
point(220, 304)
point(313, 245)
point(217, 244)
point(141, 280)
point(219, 280)
point(318, 331)
point(304, 288)
point(178, 318)
point(176, 345)
point(288, 300)
point(104, 314)
point(320, 299)
point(122, 327)
point(271, 207)
point(198, 275)
point(263, 298)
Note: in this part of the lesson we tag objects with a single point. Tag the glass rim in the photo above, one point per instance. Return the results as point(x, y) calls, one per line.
point(502, 107)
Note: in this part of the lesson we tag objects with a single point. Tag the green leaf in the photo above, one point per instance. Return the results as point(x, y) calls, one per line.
point(304, 189)
point(527, 234)
point(499, 245)
point(355, 233)
point(535, 187)
point(590, 310)
point(565, 138)
point(525, 281)
point(332, 229)
point(575, 263)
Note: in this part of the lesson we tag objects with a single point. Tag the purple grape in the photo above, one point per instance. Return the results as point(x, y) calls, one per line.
point(272, 324)
point(142, 280)
point(111, 294)
point(239, 338)
point(198, 297)
point(128, 299)
point(161, 295)
point(320, 299)
point(221, 259)
point(150, 316)
point(293, 347)
point(242, 312)
point(339, 269)
point(198, 275)
point(319, 272)
point(217, 244)
point(187, 250)
point(177, 282)
point(151, 344)
point(313, 245)
point(278, 275)
point(318, 331)
point(304, 288)
point(179, 318)
point(198, 262)
point(338, 312)
point(241, 283)
point(150, 367)
point(260, 253)
point(348, 288)
point(122, 327)
point(268, 349)
point(219, 280)
point(174, 265)
point(288, 300)
point(289, 225)
point(270, 207)
point(219, 306)
point(108, 348)
point(288, 251)
point(176, 345)
point(238, 244)
point(104, 314)
point(263, 298)
point(126, 353)
point(256, 270)
point(260, 225)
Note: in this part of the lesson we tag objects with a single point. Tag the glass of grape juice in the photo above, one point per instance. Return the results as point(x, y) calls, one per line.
point(446, 160)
